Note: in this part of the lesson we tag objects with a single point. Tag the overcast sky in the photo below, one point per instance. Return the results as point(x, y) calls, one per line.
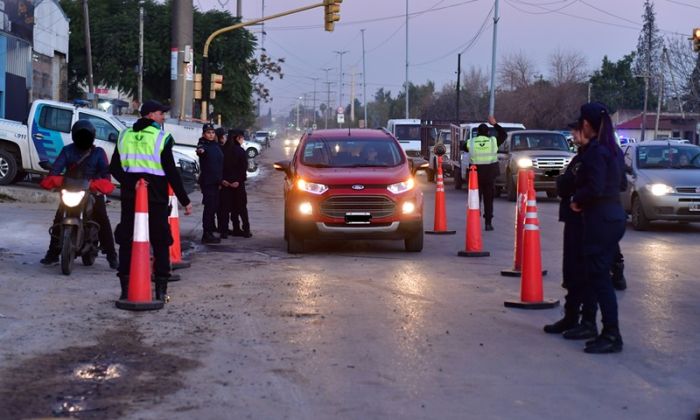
point(438, 30)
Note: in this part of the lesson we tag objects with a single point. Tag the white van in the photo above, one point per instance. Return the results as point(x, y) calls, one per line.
point(407, 132)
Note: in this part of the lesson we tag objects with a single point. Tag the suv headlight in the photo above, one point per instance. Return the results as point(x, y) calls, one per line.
point(72, 199)
point(524, 163)
point(660, 189)
point(402, 187)
point(311, 187)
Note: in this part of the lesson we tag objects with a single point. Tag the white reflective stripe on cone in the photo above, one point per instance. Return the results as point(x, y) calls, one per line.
point(173, 207)
point(531, 227)
point(141, 227)
point(531, 215)
point(473, 200)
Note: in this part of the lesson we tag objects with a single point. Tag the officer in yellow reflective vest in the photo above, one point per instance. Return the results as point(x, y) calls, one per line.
point(146, 151)
point(483, 152)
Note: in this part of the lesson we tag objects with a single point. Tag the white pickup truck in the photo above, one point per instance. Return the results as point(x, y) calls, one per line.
point(22, 146)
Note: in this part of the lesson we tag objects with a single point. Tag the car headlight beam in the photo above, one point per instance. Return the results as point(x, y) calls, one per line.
point(408, 207)
point(311, 187)
point(660, 189)
point(402, 187)
point(525, 163)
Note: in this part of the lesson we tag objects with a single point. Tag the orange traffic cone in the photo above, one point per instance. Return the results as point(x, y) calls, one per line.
point(440, 224)
point(139, 297)
point(520, 205)
point(531, 294)
point(176, 261)
point(473, 232)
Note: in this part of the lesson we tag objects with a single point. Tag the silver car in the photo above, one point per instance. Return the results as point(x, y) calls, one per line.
point(663, 182)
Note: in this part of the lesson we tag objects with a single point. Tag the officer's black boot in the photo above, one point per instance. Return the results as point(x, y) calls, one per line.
point(162, 289)
point(113, 260)
point(609, 341)
point(210, 238)
point(124, 283)
point(51, 257)
point(583, 331)
point(618, 276)
point(569, 321)
point(489, 226)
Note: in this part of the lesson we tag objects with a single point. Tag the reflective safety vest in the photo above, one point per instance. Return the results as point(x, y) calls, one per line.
point(140, 150)
point(483, 150)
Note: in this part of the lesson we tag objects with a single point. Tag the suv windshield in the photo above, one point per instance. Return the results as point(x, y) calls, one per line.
point(539, 141)
point(407, 132)
point(668, 156)
point(348, 153)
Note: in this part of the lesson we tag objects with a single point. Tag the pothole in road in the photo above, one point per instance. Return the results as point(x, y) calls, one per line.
point(98, 381)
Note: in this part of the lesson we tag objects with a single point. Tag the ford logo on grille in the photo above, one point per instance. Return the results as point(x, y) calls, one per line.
point(358, 187)
point(697, 190)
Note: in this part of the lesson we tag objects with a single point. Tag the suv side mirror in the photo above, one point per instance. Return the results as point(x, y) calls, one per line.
point(282, 166)
point(112, 137)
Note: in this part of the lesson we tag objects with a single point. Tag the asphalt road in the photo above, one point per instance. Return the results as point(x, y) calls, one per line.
point(346, 330)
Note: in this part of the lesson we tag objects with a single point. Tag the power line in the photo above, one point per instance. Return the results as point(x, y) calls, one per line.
point(683, 4)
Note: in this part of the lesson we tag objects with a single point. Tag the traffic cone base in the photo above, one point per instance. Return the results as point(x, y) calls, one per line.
point(139, 306)
point(474, 254)
point(546, 304)
point(517, 273)
point(440, 232)
point(179, 265)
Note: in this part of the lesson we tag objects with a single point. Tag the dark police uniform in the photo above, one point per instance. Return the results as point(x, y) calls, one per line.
point(599, 179)
point(211, 162)
point(239, 198)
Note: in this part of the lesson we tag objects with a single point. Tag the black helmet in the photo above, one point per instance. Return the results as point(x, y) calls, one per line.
point(83, 134)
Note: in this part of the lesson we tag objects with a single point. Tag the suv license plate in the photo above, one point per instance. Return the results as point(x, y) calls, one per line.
point(357, 218)
point(694, 207)
point(552, 173)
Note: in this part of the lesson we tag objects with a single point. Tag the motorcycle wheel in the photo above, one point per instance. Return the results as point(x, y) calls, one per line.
point(67, 251)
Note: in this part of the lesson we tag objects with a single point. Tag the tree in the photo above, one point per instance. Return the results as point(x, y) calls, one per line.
point(616, 86)
point(683, 68)
point(649, 47)
point(567, 67)
point(517, 71)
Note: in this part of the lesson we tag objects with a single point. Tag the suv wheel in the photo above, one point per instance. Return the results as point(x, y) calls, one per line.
point(251, 152)
point(639, 219)
point(511, 190)
point(414, 243)
point(8, 167)
point(295, 244)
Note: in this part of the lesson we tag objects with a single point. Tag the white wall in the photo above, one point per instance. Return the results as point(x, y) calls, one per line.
point(51, 29)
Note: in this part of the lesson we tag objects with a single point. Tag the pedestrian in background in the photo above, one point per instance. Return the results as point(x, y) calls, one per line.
point(483, 152)
point(221, 224)
point(146, 151)
point(238, 167)
point(211, 163)
point(599, 180)
point(579, 320)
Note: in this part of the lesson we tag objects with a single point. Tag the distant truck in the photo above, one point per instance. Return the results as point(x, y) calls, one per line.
point(407, 132)
point(22, 146)
point(434, 132)
point(459, 158)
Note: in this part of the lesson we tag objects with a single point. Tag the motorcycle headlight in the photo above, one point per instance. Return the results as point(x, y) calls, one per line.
point(660, 189)
point(525, 163)
point(311, 187)
point(402, 187)
point(72, 199)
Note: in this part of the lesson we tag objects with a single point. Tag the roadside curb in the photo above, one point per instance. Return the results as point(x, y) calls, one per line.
point(27, 194)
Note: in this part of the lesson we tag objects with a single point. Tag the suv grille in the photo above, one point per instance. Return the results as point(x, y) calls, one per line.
point(550, 163)
point(688, 190)
point(378, 206)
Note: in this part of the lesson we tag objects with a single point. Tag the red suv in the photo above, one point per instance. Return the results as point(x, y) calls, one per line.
point(351, 184)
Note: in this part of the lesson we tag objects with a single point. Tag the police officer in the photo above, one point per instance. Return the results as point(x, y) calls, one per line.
point(573, 266)
point(599, 179)
point(83, 160)
point(238, 168)
point(146, 151)
point(211, 163)
point(483, 152)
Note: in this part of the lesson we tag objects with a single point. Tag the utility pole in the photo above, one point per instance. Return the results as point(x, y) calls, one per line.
point(88, 52)
point(459, 81)
point(352, 96)
point(364, 78)
point(182, 38)
point(328, 99)
point(590, 87)
point(340, 77)
point(239, 9)
point(140, 95)
point(492, 93)
point(406, 83)
point(262, 34)
point(315, 79)
point(298, 101)
point(658, 105)
point(646, 101)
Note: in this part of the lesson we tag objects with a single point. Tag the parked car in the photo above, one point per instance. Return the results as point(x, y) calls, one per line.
point(663, 182)
point(355, 184)
point(547, 153)
point(262, 137)
point(22, 146)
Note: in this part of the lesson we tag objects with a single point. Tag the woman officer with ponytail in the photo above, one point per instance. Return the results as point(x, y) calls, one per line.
point(599, 180)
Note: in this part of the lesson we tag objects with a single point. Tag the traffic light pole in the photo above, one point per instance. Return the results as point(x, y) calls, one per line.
point(206, 79)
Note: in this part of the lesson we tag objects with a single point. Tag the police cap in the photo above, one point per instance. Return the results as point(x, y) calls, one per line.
point(153, 106)
point(593, 112)
point(208, 127)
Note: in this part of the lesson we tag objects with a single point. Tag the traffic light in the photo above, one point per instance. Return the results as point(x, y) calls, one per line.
point(217, 83)
point(198, 86)
point(331, 13)
point(696, 39)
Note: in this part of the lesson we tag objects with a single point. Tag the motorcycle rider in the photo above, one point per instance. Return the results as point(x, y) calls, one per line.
point(83, 160)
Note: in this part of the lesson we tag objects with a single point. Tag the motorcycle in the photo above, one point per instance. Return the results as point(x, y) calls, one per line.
point(77, 232)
